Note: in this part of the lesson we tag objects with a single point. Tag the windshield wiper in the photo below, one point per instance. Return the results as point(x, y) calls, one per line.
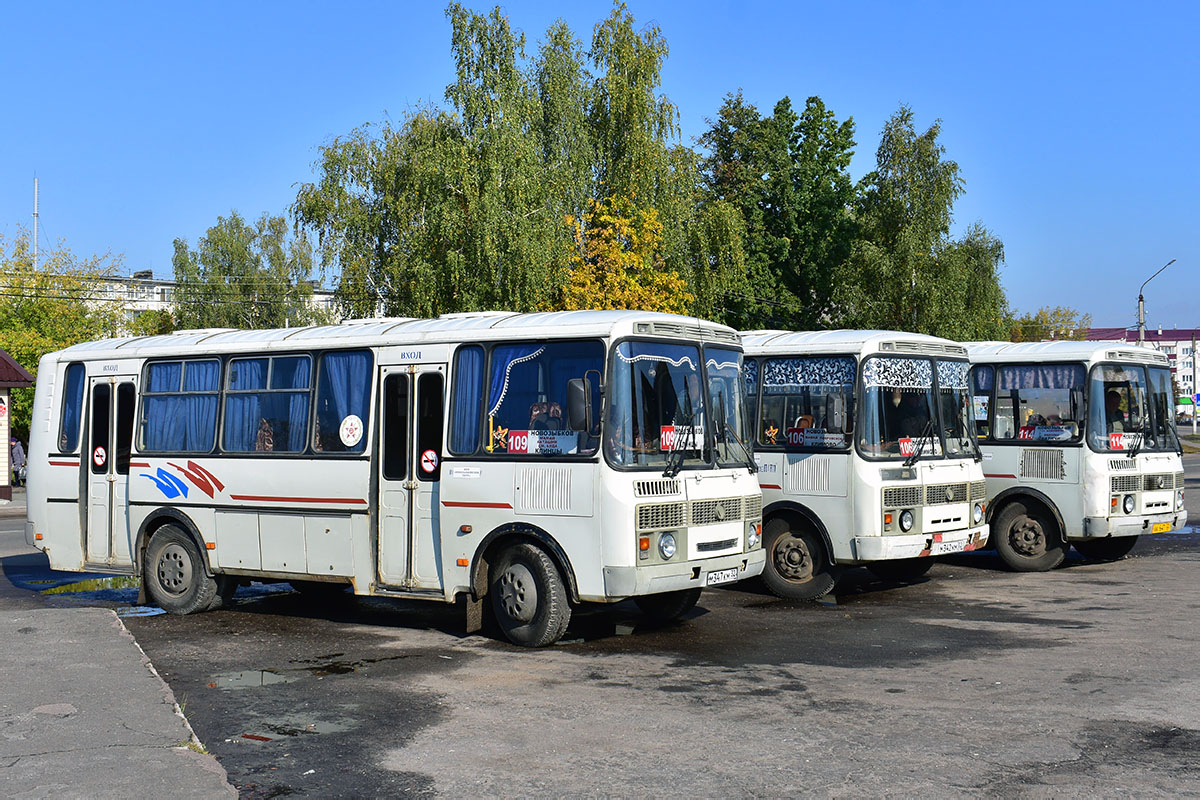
point(750, 464)
point(680, 447)
point(926, 433)
point(1137, 447)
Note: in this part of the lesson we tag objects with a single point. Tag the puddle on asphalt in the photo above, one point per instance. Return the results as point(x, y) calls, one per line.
point(249, 679)
point(93, 585)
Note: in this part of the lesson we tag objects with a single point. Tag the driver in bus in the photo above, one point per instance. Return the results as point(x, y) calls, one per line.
point(1114, 417)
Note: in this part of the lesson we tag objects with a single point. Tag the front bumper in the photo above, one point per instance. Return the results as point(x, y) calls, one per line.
point(886, 548)
point(622, 582)
point(1134, 525)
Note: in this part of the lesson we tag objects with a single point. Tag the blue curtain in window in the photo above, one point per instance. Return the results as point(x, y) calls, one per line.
point(468, 391)
point(248, 374)
point(1041, 376)
point(298, 407)
point(163, 431)
point(347, 377)
point(503, 358)
point(164, 376)
point(243, 414)
point(982, 377)
point(72, 406)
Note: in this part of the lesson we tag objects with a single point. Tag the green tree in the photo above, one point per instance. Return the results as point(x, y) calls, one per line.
point(61, 303)
point(1049, 323)
point(244, 276)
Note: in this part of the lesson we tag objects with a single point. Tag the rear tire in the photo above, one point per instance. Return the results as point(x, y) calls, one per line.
point(901, 569)
point(797, 566)
point(528, 596)
point(1110, 549)
point(667, 606)
point(175, 574)
point(1027, 539)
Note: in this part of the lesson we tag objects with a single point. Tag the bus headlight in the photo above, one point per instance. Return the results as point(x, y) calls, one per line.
point(906, 520)
point(1127, 504)
point(666, 546)
point(1179, 499)
point(977, 513)
point(754, 535)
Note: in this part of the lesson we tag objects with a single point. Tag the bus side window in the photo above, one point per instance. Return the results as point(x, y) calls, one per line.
point(72, 408)
point(466, 411)
point(429, 425)
point(343, 395)
point(395, 427)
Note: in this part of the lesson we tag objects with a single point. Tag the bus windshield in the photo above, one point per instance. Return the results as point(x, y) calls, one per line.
point(656, 406)
point(1132, 409)
point(955, 407)
point(724, 368)
point(898, 407)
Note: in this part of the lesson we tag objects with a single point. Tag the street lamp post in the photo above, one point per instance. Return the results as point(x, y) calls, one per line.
point(1142, 305)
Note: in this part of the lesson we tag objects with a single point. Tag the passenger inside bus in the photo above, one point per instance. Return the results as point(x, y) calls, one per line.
point(1114, 417)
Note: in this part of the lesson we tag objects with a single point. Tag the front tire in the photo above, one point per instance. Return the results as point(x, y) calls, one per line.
point(175, 575)
point(1027, 539)
point(1110, 549)
point(667, 606)
point(901, 569)
point(797, 565)
point(528, 596)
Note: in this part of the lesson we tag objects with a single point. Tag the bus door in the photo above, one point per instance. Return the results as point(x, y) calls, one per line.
point(410, 466)
point(107, 467)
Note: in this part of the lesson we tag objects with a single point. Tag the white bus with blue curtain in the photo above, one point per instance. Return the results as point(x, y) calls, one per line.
point(1080, 448)
point(866, 454)
point(525, 462)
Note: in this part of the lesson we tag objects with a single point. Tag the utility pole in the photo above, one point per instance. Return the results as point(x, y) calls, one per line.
point(35, 222)
point(1142, 305)
point(1195, 389)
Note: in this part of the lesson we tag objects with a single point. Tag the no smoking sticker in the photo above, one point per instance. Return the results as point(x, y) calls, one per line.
point(99, 456)
point(429, 461)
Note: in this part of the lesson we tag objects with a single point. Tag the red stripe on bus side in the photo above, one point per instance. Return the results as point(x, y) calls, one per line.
point(998, 476)
point(770, 486)
point(64, 463)
point(461, 504)
point(264, 498)
point(145, 464)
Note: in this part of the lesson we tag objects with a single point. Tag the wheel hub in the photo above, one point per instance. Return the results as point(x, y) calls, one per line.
point(518, 593)
point(1027, 537)
point(175, 570)
point(793, 560)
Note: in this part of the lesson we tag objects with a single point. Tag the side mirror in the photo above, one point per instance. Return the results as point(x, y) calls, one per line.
point(579, 405)
point(835, 413)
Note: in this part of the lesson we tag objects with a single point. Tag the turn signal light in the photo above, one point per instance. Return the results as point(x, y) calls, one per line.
point(462, 562)
point(887, 519)
point(37, 536)
point(211, 545)
point(1114, 502)
point(644, 543)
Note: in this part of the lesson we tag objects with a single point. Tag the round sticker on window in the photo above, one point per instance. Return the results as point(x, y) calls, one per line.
point(429, 461)
point(99, 456)
point(351, 430)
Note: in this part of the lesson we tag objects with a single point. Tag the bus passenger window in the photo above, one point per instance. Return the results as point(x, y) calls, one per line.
point(343, 402)
point(466, 410)
point(72, 407)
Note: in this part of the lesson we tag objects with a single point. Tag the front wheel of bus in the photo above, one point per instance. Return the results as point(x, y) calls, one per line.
point(667, 606)
point(1027, 539)
point(797, 567)
point(175, 575)
point(1106, 549)
point(528, 596)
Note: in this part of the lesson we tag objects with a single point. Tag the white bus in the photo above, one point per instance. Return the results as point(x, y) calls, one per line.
point(542, 459)
point(1080, 448)
point(865, 452)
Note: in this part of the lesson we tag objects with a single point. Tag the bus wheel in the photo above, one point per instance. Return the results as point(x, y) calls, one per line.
point(797, 567)
point(1109, 549)
point(901, 569)
point(175, 576)
point(667, 606)
point(528, 596)
point(1027, 539)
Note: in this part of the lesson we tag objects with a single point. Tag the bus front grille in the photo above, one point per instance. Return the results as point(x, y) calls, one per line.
point(1153, 483)
point(661, 516)
point(1125, 483)
point(901, 496)
point(754, 507)
point(710, 547)
point(978, 491)
point(656, 488)
point(711, 512)
point(1179, 478)
point(945, 493)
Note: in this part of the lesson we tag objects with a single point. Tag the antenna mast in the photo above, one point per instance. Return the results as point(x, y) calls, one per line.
point(35, 222)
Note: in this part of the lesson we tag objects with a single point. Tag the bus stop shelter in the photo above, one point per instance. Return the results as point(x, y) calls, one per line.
point(12, 376)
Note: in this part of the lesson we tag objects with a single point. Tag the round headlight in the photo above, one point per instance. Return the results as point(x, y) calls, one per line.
point(666, 545)
point(1127, 504)
point(906, 520)
point(752, 539)
point(977, 513)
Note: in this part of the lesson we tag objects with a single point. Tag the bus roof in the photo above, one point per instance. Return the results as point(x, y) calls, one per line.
point(848, 341)
point(468, 327)
point(1063, 351)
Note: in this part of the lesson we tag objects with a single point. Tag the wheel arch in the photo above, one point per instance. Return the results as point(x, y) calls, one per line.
point(510, 533)
point(167, 516)
point(791, 508)
point(1026, 493)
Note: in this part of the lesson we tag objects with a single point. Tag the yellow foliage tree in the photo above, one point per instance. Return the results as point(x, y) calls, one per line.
point(617, 261)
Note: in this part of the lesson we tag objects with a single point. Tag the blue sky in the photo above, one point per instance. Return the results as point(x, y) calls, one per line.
point(1074, 124)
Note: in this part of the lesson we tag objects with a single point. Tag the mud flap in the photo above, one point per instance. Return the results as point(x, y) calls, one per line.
point(474, 614)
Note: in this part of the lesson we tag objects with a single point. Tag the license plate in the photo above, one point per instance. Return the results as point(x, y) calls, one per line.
point(722, 576)
point(941, 548)
point(1160, 527)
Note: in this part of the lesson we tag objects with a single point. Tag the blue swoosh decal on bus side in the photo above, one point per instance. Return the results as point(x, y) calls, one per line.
point(167, 483)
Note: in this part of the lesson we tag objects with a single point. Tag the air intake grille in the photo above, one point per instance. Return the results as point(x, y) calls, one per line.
point(658, 488)
point(709, 512)
point(945, 493)
point(1121, 463)
point(661, 516)
point(1125, 483)
point(754, 507)
point(709, 547)
point(1044, 464)
point(978, 491)
point(1179, 477)
point(902, 497)
point(1155, 482)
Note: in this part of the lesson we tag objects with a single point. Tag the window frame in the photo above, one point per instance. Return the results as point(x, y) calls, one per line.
point(996, 367)
point(226, 391)
point(62, 408)
point(144, 393)
point(800, 448)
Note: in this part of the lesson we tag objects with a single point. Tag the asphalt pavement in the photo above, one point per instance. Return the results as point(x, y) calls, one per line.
point(83, 713)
